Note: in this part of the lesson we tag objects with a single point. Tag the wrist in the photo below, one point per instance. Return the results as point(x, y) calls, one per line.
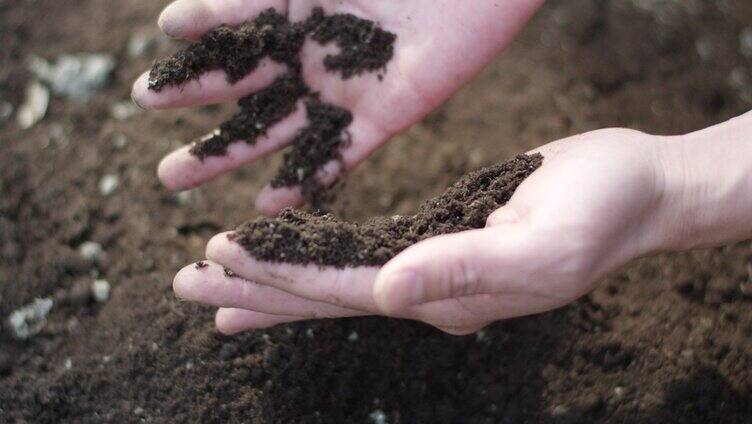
point(705, 194)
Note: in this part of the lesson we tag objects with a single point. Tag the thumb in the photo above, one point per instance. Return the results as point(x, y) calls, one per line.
point(451, 266)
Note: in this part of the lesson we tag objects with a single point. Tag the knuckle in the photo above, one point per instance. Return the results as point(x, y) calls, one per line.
point(464, 278)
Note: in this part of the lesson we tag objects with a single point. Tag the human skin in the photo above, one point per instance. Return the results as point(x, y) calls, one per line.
point(441, 45)
point(600, 200)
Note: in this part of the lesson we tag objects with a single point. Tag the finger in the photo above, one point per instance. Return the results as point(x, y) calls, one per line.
point(211, 87)
point(497, 260)
point(182, 170)
point(211, 285)
point(364, 137)
point(233, 321)
point(347, 288)
point(191, 19)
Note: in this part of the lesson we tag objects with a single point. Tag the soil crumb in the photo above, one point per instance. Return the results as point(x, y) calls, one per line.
point(302, 238)
point(201, 265)
point(363, 45)
point(237, 51)
point(314, 146)
point(258, 112)
point(230, 273)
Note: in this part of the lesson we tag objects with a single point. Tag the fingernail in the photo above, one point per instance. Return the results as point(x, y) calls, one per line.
point(135, 101)
point(164, 21)
point(399, 290)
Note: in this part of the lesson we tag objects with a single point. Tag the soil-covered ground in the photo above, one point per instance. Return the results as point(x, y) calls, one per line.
point(667, 339)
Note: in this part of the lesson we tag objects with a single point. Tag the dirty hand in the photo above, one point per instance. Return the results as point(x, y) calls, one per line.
point(441, 45)
point(597, 202)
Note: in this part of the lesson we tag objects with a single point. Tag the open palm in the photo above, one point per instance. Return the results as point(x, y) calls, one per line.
point(441, 45)
point(592, 207)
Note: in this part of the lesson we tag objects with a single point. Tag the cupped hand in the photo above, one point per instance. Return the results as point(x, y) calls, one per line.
point(440, 46)
point(596, 203)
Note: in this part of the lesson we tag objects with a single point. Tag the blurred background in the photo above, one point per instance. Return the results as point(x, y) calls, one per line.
point(89, 241)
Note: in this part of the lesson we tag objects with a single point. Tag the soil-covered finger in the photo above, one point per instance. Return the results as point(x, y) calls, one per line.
point(349, 287)
point(211, 284)
point(182, 169)
point(302, 238)
point(210, 88)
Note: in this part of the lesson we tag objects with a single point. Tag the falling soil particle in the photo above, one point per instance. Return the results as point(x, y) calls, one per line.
point(315, 145)
point(258, 112)
point(301, 238)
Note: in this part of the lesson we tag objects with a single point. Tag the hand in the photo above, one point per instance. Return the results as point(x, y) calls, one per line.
point(441, 45)
point(596, 203)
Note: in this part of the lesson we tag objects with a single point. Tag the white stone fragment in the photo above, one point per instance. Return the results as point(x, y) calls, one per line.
point(76, 76)
point(378, 417)
point(91, 251)
point(122, 111)
point(100, 291)
point(29, 320)
point(35, 105)
point(108, 184)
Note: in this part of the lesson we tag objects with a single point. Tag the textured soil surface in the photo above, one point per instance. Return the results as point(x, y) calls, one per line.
point(667, 339)
point(303, 238)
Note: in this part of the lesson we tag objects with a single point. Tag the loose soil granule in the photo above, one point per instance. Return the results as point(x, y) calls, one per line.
point(258, 112)
point(301, 238)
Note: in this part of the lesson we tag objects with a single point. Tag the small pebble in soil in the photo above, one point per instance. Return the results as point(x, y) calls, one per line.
point(559, 411)
point(378, 417)
point(91, 251)
point(619, 391)
point(139, 411)
point(745, 41)
point(309, 333)
point(100, 291)
point(34, 106)
point(6, 110)
point(139, 44)
point(122, 111)
point(119, 140)
point(28, 321)
point(739, 78)
point(184, 198)
point(353, 337)
point(108, 184)
point(67, 364)
point(76, 76)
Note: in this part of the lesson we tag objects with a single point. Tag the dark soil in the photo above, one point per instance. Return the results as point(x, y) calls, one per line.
point(364, 46)
point(258, 112)
point(665, 340)
point(301, 238)
point(237, 51)
point(319, 143)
